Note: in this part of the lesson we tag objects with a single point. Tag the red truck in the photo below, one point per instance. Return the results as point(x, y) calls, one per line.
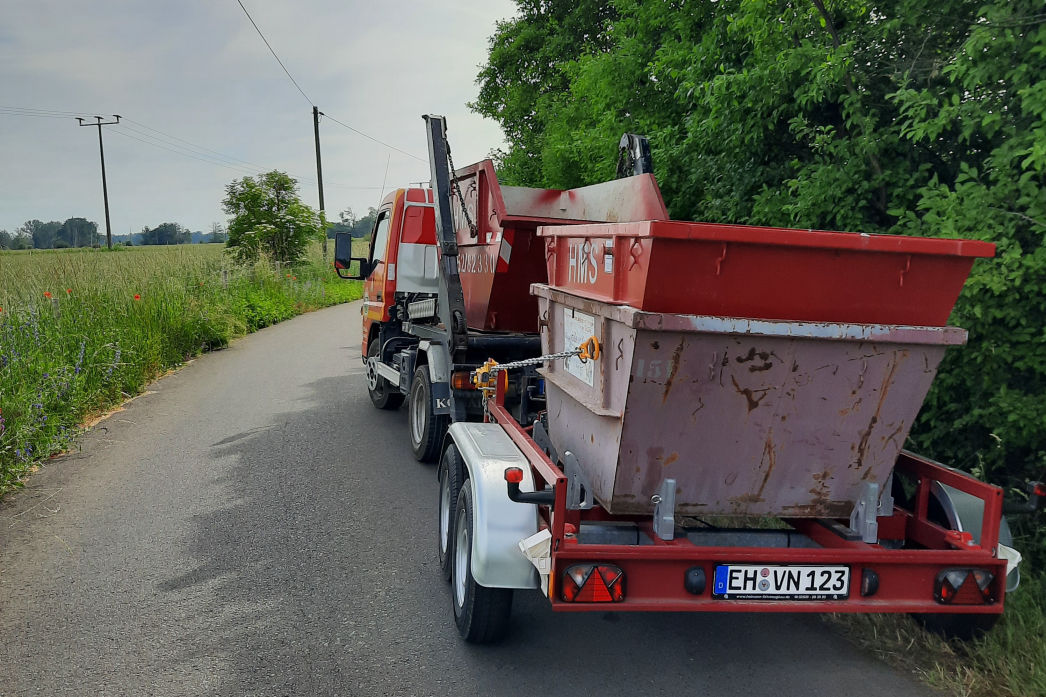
point(614, 397)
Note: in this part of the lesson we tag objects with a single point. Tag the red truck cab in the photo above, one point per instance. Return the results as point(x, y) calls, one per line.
point(402, 256)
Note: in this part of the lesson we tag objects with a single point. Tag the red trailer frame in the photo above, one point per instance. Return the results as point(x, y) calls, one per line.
point(905, 578)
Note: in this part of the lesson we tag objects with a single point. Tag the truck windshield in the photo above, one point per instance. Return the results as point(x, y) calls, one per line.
point(381, 237)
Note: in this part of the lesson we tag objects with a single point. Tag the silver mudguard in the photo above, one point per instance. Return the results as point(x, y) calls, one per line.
point(966, 513)
point(499, 522)
point(438, 360)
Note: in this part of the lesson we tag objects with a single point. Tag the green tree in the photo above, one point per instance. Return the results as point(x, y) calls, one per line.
point(166, 233)
point(355, 226)
point(6, 239)
point(217, 234)
point(269, 219)
point(42, 234)
point(834, 114)
point(78, 232)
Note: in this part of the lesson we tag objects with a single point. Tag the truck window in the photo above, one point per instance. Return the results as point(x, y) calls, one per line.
point(381, 237)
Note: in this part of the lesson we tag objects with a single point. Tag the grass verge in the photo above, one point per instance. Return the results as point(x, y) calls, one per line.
point(1008, 661)
point(82, 330)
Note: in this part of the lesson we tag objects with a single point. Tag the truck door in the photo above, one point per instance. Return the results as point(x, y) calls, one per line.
point(380, 287)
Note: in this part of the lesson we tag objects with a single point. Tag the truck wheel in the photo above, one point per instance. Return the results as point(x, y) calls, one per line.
point(382, 394)
point(426, 428)
point(482, 614)
point(450, 477)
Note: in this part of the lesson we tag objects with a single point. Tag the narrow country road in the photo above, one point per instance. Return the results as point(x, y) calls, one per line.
point(252, 526)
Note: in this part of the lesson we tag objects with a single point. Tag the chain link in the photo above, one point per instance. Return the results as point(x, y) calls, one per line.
point(473, 228)
point(534, 361)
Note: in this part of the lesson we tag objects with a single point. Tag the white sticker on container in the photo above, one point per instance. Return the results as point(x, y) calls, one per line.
point(608, 263)
point(577, 328)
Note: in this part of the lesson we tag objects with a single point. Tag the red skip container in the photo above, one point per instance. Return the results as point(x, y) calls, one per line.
point(762, 272)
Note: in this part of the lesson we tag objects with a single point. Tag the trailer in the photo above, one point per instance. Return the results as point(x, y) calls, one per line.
point(711, 418)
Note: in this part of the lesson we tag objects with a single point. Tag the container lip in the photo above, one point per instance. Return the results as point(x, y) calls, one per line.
point(744, 326)
point(774, 236)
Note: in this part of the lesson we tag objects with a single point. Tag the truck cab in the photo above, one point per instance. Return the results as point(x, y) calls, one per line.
point(402, 258)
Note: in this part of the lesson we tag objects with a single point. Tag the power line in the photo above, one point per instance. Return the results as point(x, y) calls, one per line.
point(390, 147)
point(239, 169)
point(184, 153)
point(193, 145)
point(274, 53)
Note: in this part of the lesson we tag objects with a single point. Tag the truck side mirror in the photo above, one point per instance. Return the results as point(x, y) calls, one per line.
point(344, 261)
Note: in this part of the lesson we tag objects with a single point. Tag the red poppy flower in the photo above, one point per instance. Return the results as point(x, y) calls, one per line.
point(68, 291)
point(294, 278)
point(137, 297)
point(47, 293)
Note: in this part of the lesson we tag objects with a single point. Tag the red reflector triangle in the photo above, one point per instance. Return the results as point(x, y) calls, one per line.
point(595, 590)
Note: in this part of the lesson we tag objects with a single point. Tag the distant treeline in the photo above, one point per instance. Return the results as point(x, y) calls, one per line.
point(80, 232)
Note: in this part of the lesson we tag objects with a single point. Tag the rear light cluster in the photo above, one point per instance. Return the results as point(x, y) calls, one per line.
point(964, 587)
point(593, 583)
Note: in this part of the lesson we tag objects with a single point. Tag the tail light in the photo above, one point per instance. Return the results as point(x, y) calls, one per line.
point(593, 583)
point(462, 380)
point(964, 587)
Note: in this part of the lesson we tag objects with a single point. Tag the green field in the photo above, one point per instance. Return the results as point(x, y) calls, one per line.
point(82, 330)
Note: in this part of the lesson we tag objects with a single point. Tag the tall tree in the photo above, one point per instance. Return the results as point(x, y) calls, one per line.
point(165, 234)
point(78, 232)
point(895, 117)
point(43, 234)
point(269, 219)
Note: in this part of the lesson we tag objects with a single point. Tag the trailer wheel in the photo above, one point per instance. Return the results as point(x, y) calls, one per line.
point(382, 394)
point(952, 626)
point(426, 429)
point(482, 614)
point(450, 477)
point(962, 627)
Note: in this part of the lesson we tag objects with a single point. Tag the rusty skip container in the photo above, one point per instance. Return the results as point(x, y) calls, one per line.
point(750, 417)
point(767, 371)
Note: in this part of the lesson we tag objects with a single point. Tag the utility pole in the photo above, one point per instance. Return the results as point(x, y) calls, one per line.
point(316, 113)
point(105, 188)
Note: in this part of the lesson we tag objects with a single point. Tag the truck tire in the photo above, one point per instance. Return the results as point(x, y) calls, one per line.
point(481, 614)
point(451, 475)
point(382, 394)
point(426, 429)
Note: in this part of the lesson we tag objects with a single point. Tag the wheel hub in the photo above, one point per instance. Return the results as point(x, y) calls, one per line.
point(372, 374)
point(461, 559)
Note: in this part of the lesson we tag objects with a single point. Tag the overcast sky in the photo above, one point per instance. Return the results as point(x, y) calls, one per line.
point(194, 74)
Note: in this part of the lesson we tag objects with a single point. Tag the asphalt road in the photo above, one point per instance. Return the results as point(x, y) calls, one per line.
point(252, 526)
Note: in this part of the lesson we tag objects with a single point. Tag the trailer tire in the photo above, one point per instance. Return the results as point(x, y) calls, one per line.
point(950, 625)
point(481, 614)
point(961, 627)
point(383, 395)
point(426, 429)
point(451, 475)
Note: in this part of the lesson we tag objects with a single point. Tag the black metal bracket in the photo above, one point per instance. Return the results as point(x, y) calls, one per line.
point(541, 498)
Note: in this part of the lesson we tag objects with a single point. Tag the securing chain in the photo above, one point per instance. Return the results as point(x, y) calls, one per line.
point(485, 376)
point(473, 228)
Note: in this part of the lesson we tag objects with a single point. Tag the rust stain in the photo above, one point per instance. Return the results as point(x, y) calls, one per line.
point(673, 369)
point(700, 406)
point(862, 447)
point(749, 395)
point(770, 456)
point(670, 459)
point(746, 498)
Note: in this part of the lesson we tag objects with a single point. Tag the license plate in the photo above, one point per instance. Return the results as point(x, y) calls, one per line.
point(766, 582)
